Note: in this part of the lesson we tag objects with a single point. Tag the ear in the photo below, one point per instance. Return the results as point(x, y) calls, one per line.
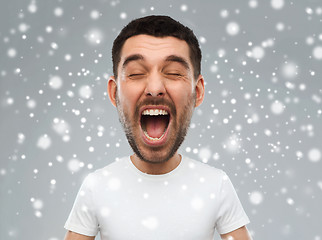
point(111, 89)
point(200, 90)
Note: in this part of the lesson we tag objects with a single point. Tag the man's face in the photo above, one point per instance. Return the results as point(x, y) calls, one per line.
point(155, 95)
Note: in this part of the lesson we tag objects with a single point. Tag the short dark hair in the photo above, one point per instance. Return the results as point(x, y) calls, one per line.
point(158, 26)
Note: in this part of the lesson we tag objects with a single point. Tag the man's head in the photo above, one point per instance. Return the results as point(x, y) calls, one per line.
point(156, 88)
point(158, 26)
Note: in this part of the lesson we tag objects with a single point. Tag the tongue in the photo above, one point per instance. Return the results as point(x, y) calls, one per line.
point(155, 126)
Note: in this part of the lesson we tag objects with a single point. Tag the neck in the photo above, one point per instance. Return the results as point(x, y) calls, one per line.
point(156, 168)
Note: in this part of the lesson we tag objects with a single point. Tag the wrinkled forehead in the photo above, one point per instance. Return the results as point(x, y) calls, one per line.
point(155, 48)
point(156, 44)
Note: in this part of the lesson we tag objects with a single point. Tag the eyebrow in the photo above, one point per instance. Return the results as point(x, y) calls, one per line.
point(171, 58)
point(132, 58)
point(175, 58)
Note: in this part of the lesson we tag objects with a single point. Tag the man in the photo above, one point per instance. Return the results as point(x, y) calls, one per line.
point(156, 193)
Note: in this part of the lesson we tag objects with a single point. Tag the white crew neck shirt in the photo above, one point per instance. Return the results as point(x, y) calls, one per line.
point(121, 203)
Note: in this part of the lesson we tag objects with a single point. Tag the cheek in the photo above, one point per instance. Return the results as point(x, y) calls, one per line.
point(181, 94)
point(129, 95)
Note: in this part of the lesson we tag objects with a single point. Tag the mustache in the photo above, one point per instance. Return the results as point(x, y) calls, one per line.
point(156, 101)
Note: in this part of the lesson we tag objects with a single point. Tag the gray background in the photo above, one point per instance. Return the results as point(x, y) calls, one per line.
point(260, 121)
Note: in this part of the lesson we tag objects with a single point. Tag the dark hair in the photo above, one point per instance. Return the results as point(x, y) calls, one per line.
point(158, 26)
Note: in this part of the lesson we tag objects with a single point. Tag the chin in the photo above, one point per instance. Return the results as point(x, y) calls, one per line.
point(155, 159)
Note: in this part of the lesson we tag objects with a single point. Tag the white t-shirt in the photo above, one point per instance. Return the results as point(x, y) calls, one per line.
point(188, 203)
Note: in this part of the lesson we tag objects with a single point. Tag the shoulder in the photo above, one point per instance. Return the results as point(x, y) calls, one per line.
point(100, 175)
point(114, 167)
point(203, 169)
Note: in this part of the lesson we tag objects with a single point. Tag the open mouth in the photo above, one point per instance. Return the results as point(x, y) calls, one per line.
point(154, 123)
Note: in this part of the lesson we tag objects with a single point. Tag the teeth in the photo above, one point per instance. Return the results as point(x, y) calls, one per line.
point(151, 138)
point(155, 112)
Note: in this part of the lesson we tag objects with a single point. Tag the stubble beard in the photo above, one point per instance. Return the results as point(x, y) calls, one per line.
point(182, 124)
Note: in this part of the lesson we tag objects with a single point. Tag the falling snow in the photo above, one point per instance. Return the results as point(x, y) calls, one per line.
point(314, 155)
point(289, 70)
point(277, 4)
point(253, 3)
point(55, 82)
point(258, 52)
point(85, 92)
point(12, 52)
point(256, 198)
point(260, 121)
point(44, 142)
point(232, 28)
point(317, 52)
point(277, 107)
point(94, 14)
point(74, 165)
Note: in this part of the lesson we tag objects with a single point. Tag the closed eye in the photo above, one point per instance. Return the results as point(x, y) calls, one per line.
point(136, 75)
point(174, 74)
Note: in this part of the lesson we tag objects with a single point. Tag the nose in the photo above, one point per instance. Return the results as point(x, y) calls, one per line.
point(155, 86)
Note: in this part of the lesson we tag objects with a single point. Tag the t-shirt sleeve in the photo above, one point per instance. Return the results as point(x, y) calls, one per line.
point(82, 219)
point(231, 213)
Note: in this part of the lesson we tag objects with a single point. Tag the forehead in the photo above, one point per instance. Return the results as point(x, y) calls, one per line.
point(155, 47)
